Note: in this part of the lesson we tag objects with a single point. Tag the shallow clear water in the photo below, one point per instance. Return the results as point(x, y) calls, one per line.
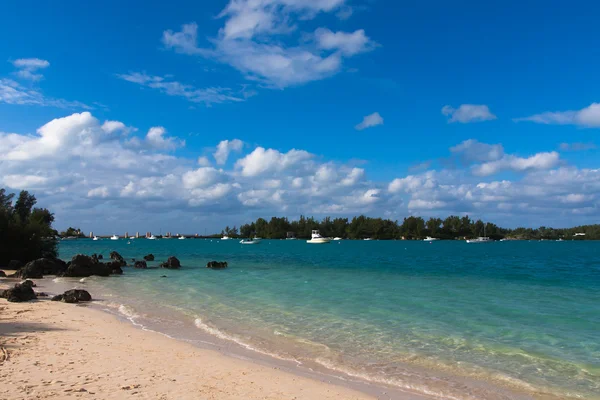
point(438, 317)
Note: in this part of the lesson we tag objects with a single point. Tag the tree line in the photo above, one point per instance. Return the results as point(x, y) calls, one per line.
point(25, 232)
point(411, 228)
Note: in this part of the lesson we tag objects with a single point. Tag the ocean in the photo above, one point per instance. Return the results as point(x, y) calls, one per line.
point(447, 319)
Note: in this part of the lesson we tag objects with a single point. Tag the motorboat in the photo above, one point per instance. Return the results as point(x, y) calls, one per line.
point(430, 239)
point(151, 237)
point(95, 238)
point(181, 237)
point(114, 237)
point(225, 237)
point(367, 239)
point(316, 238)
point(250, 241)
point(337, 238)
point(131, 237)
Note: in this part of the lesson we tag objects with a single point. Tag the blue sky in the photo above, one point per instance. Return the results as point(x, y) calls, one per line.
point(485, 109)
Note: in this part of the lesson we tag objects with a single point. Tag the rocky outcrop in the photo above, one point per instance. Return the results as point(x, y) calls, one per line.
point(2, 274)
point(29, 283)
point(140, 265)
point(82, 266)
point(36, 269)
point(97, 257)
point(149, 257)
point(18, 293)
point(117, 257)
point(73, 296)
point(171, 263)
point(115, 267)
point(216, 264)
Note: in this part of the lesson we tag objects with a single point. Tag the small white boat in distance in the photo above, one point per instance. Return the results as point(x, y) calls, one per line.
point(225, 238)
point(151, 237)
point(250, 241)
point(481, 239)
point(430, 239)
point(316, 238)
point(95, 238)
point(181, 237)
point(131, 237)
point(337, 238)
point(114, 237)
point(367, 239)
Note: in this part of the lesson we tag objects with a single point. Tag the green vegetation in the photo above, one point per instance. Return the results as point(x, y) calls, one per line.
point(25, 232)
point(72, 232)
point(411, 228)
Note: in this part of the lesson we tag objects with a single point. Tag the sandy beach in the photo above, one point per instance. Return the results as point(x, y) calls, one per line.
point(56, 350)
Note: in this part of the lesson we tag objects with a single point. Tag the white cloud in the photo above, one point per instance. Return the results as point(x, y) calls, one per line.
point(12, 92)
point(224, 148)
point(250, 41)
point(263, 160)
point(588, 117)
point(348, 43)
point(369, 121)
point(101, 192)
point(518, 164)
point(208, 96)
point(577, 146)
point(473, 150)
point(28, 68)
point(156, 139)
point(466, 113)
point(203, 161)
point(202, 177)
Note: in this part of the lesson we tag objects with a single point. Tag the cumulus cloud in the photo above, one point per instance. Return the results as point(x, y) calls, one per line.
point(588, 117)
point(518, 164)
point(466, 113)
point(250, 41)
point(370, 121)
point(28, 68)
point(224, 148)
point(263, 160)
point(156, 139)
point(472, 150)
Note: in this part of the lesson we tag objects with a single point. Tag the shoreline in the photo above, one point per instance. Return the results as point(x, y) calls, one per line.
point(74, 346)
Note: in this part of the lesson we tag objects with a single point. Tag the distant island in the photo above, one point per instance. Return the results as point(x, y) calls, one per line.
point(411, 228)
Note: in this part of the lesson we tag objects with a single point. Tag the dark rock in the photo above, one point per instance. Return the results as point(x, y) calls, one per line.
point(140, 264)
point(73, 296)
point(216, 264)
point(115, 267)
point(100, 257)
point(164, 276)
point(2, 274)
point(14, 265)
point(18, 293)
point(42, 266)
point(149, 257)
point(84, 266)
point(29, 283)
point(97, 257)
point(117, 257)
point(171, 263)
point(41, 294)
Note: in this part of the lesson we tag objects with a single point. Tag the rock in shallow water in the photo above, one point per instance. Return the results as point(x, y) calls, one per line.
point(19, 293)
point(140, 265)
point(42, 266)
point(171, 263)
point(149, 257)
point(73, 296)
point(216, 264)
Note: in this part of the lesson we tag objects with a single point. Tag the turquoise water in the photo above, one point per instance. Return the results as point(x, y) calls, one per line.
point(448, 318)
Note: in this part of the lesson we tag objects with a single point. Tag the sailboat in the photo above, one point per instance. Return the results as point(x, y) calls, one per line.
point(481, 239)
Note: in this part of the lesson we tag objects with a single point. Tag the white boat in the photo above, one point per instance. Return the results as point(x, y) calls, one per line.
point(225, 238)
point(250, 241)
point(131, 237)
point(95, 238)
point(114, 237)
point(181, 237)
point(367, 239)
point(430, 239)
point(480, 239)
point(316, 238)
point(151, 237)
point(337, 238)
